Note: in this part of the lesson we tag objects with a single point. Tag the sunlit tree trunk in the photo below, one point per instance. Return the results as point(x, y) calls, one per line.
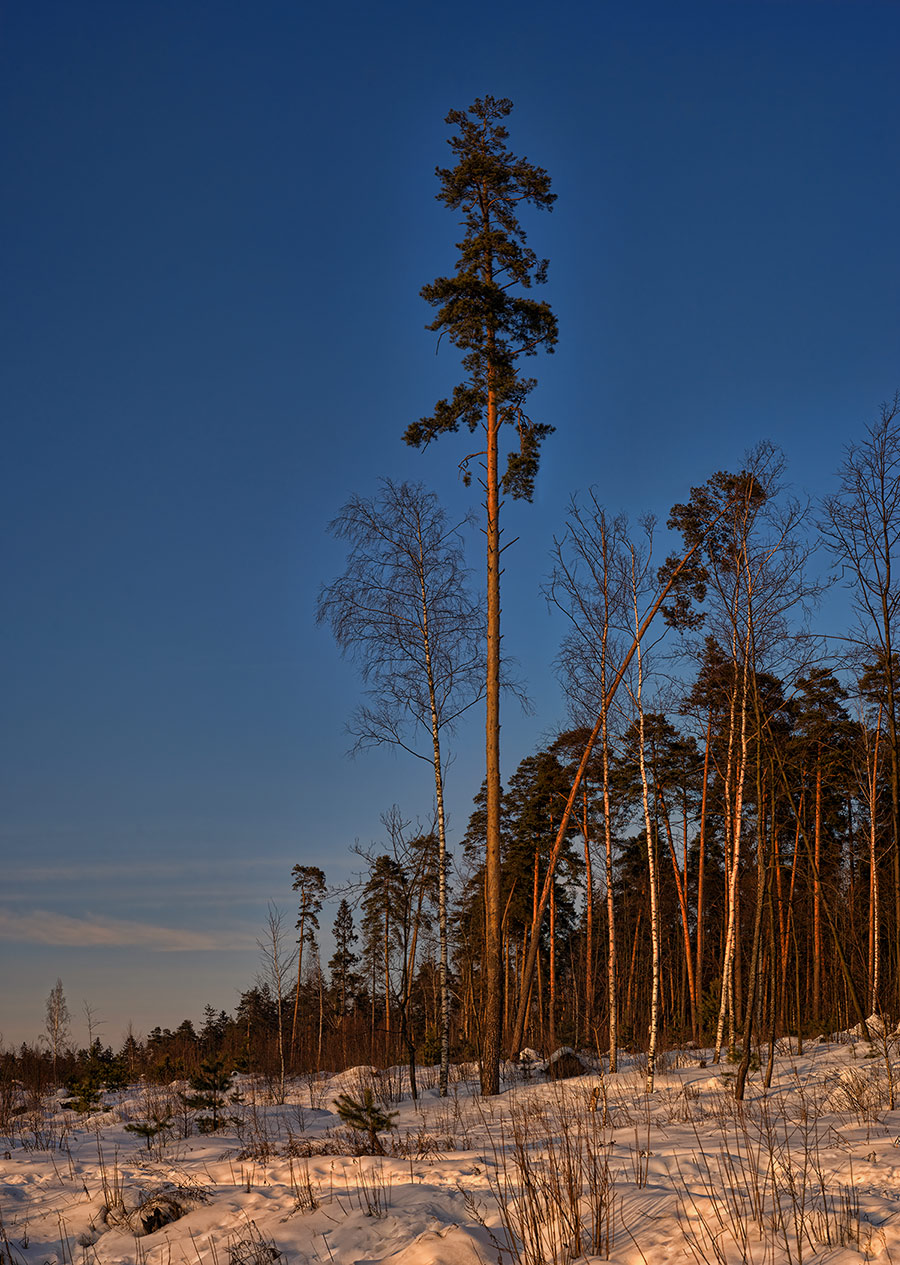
point(588, 917)
point(551, 1026)
point(701, 861)
point(652, 879)
point(612, 985)
point(727, 1002)
point(862, 526)
point(817, 899)
point(681, 889)
point(874, 910)
point(762, 871)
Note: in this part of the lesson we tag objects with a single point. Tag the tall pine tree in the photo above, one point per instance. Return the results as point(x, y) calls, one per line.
point(484, 312)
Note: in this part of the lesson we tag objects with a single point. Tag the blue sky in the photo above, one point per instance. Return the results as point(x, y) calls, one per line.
point(215, 225)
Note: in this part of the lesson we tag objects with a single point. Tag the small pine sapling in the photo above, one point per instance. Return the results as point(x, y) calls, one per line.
point(210, 1086)
point(86, 1092)
point(157, 1123)
point(144, 1129)
point(367, 1117)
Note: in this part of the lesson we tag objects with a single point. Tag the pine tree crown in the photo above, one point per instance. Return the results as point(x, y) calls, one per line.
point(480, 307)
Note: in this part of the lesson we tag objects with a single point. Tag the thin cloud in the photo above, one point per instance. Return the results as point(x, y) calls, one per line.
point(167, 869)
point(41, 926)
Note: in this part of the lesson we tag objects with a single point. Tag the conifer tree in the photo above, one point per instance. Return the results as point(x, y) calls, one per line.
point(210, 1086)
point(343, 960)
point(309, 883)
point(484, 312)
point(384, 897)
point(364, 1115)
point(158, 1122)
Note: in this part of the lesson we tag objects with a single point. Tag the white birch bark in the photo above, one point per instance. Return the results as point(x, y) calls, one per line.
point(652, 876)
point(726, 1004)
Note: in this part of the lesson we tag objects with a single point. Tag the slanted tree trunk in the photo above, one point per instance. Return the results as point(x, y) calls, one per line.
point(551, 1026)
point(610, 693)
point(681, 889)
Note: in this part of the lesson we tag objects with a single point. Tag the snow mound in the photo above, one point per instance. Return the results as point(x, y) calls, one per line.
point(354, 1080)
point(875, 1025)
point(454, 1245)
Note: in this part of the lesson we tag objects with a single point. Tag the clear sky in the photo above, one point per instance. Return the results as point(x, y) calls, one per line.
point(215, 223)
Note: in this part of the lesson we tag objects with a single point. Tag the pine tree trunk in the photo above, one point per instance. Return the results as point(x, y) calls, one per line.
point(589, 921)
point(786, 911)
point(817, 900)
point(540, 989)
point(629, 991)
point(321, 1020)
point(874, 913)
point(612, 979)
point(894, 743)
point(551, 1026)
point(493, 960)
point(373, 1025)
point(387, 987)
point(654, 897)
point(680, 887)
point(297, 993)
point(701, 861)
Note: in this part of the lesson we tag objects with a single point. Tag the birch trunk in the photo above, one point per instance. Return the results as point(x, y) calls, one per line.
point(726, 1005)
point(653, 885)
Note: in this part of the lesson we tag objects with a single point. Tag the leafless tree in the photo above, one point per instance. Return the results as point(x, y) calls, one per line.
point(402, 611)
point(90, 1017)
point(861, 524)
point(57, 1022)
point(640, 571)
point(589, 585)
point(278, 963)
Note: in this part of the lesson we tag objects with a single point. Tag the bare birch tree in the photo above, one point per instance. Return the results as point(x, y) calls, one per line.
point(278, 963)
point(638, 570)
point(57, 1023)
point(589, 584)
point(861, 524)
point(402, 611)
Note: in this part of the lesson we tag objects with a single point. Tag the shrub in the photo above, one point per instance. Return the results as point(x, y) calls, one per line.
point(365, 1116)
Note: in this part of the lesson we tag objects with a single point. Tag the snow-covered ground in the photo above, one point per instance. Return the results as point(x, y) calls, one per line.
point(586, 1168)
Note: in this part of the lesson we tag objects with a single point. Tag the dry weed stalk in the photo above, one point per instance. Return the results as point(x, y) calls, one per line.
point(306, 1192)
point(763, 1193)
point(553, 1189)
point(373, 1186)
